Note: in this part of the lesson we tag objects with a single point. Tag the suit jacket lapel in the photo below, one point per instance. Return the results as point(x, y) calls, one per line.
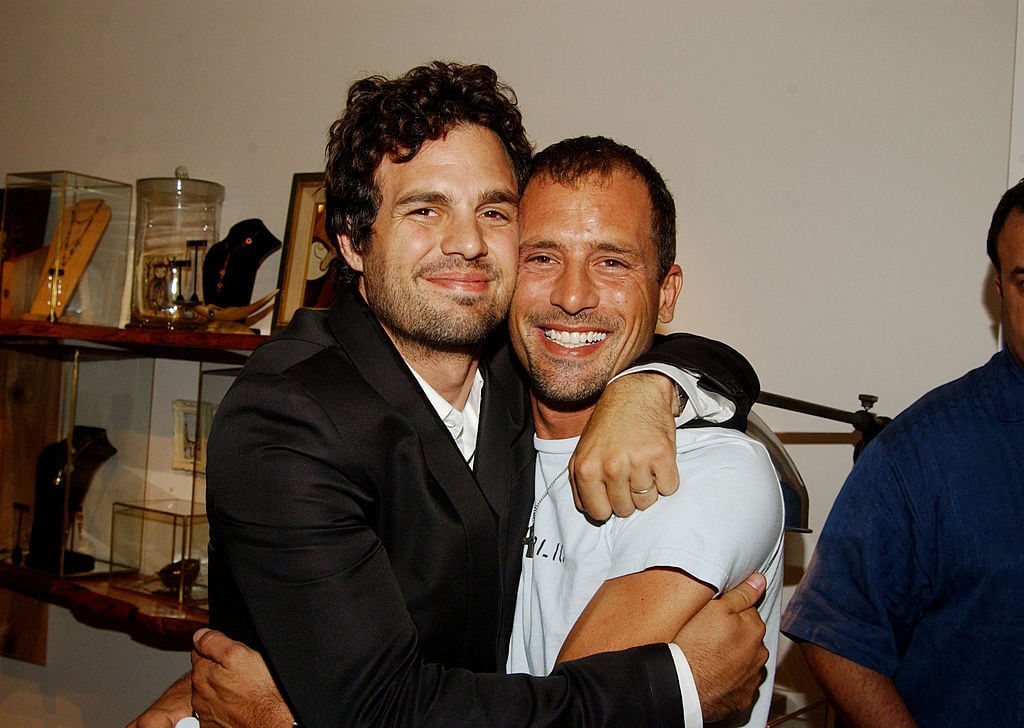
point(506, 441)
point(373, 353)
point(505, 454)
point(493, 463)
point(370, 349)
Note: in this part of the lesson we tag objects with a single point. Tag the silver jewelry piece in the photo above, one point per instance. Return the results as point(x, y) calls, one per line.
point(530, 540)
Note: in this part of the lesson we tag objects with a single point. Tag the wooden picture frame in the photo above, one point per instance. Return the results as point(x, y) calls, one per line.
point(306, 255)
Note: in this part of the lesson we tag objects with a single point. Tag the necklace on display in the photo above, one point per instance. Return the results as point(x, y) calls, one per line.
point(227, 259)
point(71, 242)
point(530, 540)
point(75, 239)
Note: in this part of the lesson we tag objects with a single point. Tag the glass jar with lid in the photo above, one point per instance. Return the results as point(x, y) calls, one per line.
point(177, 219)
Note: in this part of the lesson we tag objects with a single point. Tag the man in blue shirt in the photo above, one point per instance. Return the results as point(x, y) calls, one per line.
point(909, 614)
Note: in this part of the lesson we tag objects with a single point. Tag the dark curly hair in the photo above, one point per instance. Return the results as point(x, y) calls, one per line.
point(570, 161)
point(394, 117)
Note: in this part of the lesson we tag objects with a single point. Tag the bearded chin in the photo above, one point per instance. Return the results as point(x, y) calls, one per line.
point(463, 324)
point(568, 385)
point(467, 328)
point(457, 331)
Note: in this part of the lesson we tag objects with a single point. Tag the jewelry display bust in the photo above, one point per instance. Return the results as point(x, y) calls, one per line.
point(90, 448)
point(229, 271)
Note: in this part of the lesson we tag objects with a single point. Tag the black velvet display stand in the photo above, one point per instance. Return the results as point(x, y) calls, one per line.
point(229, 271)
point(91, 448)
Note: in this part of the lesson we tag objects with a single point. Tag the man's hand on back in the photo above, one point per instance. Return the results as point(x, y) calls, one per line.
point(232, 687)
point(724, 645)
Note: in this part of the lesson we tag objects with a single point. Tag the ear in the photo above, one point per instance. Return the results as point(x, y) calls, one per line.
point(999, 283)
point(670, 286)
point(353, 258)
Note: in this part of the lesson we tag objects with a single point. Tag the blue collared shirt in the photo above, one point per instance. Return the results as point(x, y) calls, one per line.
point(919, 570)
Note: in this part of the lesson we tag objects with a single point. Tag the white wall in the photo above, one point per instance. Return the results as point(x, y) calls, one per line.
point(835, 162)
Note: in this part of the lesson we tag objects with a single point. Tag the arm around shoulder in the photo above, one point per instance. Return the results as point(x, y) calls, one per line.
point(291, 524)
point(722, 369)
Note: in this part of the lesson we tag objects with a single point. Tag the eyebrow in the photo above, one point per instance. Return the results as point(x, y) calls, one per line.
point(496, 197)
point(609, 247)
point(432, 197)
point(539, 244)
point(602, 247)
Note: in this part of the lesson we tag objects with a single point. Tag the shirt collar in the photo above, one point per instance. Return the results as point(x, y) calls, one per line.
point(462, 426)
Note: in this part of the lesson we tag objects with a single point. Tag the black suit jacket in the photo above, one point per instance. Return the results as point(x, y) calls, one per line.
point(352, 545)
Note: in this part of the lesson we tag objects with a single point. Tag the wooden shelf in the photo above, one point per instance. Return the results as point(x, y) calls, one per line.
point(56, 339)
point(99, 602)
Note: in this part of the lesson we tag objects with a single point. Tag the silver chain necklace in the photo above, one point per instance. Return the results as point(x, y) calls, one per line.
point(530, 540)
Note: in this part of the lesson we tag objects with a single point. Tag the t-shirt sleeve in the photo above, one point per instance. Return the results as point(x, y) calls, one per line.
point(722, 524)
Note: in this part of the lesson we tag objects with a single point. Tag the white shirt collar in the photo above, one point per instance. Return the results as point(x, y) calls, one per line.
point(462, 426)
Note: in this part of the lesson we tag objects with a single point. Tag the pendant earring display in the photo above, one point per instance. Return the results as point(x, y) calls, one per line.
point(78, 233)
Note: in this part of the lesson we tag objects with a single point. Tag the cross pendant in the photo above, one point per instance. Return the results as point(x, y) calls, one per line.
point(529, 541)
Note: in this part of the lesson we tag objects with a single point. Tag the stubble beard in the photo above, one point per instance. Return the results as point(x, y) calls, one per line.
point(565, 383)
point(568, 384)
point(434, 320)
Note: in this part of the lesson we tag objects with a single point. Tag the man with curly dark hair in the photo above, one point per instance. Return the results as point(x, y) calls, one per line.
point(392, 118)
point(369, 477)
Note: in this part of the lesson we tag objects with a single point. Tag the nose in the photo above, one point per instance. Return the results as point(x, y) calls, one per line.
point(574, 291)
point(464, 237)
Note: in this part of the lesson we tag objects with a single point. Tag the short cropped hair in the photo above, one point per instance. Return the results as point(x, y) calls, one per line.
point(1012, 199)
point(394, 117)
point(571, 161)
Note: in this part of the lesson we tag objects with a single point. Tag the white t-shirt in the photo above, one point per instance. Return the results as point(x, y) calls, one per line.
point(725, 522)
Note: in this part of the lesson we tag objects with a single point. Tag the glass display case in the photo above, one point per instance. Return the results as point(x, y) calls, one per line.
point(102, 482)
point(176, 222)
point(66, 243)
point(72, 446)
point(162, 543)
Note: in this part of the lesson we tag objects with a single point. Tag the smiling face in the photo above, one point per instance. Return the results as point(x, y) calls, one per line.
point(588, 297)
point(440, 265)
